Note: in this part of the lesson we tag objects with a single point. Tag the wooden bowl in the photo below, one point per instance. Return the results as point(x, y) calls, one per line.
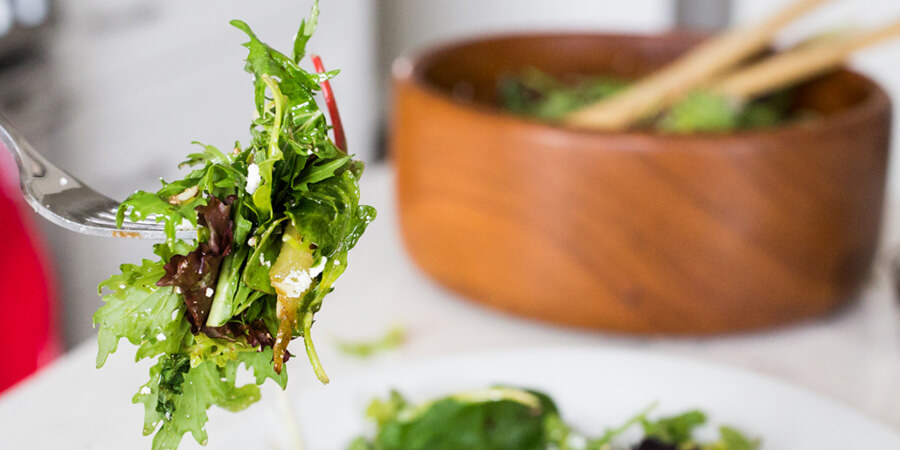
point(634, 231)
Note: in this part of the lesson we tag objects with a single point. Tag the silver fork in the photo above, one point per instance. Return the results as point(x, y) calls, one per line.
point(68, 202)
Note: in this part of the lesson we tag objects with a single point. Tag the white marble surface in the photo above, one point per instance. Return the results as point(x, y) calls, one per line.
point(852, 356)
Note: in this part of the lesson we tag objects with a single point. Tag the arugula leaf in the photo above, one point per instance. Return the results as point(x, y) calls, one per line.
point(675, 429)
point(384, 411)
point(533, 93)
point(264, 61)
point(499, 418)
point(163, 206)
point(307, 27)
point(511, 418)
point(318, 171)
point(612, 433)
point(732, 439)
point(210, 154)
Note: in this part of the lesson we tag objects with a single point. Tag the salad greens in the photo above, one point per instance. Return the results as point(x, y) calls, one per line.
point(502, 418)
point(533, 93)
point(275, 220)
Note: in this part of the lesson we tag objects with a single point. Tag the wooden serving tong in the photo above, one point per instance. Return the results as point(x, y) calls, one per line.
point(709, 64)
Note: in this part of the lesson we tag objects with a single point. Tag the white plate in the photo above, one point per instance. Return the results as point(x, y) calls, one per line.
point(596, 388)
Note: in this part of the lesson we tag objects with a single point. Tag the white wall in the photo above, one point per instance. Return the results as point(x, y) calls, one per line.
point(408, 25)
point(413, 23)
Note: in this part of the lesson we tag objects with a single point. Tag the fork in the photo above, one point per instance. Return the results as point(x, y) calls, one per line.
point(67, 201)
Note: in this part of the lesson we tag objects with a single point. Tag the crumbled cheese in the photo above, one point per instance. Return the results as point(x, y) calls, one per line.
point(146, 390)
point(185, 225)
point(209, 292)
point(252, 241)
point(298, 281)
point(294, 284)
point(160, 337)
point(253, 178)
point(178, 290)
point(122, 286)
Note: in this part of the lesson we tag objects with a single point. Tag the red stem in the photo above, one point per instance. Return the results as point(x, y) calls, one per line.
point(337, 126)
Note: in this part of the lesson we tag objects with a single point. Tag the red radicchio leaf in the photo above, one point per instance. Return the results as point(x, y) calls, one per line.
point(196, 273)
point(256, 333)
point(216, 216)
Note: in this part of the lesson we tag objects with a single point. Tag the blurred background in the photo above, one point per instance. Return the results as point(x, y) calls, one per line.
point(115, 90)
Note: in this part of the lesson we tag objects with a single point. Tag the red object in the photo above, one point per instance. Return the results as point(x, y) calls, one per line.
point(339, 139)
point(28, 336)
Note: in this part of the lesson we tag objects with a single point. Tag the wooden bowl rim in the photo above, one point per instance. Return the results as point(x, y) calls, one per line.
point(410, 70)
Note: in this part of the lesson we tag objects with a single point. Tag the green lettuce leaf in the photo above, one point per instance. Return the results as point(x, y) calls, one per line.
point(675, 430)
point(732, 439)
point(497, 419)
point(181, 390)
point(146, 315)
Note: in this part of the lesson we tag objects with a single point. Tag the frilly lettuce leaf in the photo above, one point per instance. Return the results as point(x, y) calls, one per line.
point(136, 309)
point(178, 394)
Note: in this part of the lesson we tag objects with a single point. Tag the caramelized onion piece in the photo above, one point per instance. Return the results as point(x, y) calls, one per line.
point(290, 276)
point(287, 314)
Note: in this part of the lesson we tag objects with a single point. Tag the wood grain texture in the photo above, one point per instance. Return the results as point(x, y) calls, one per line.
point(634, 231)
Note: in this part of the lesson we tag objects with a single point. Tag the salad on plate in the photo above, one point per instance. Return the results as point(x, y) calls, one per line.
point(501, 418)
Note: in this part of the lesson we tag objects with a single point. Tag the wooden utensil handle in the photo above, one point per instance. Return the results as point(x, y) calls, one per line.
point(709, 59)
point(799, 65)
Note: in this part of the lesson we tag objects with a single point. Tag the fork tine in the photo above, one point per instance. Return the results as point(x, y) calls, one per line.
point(66, 201)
